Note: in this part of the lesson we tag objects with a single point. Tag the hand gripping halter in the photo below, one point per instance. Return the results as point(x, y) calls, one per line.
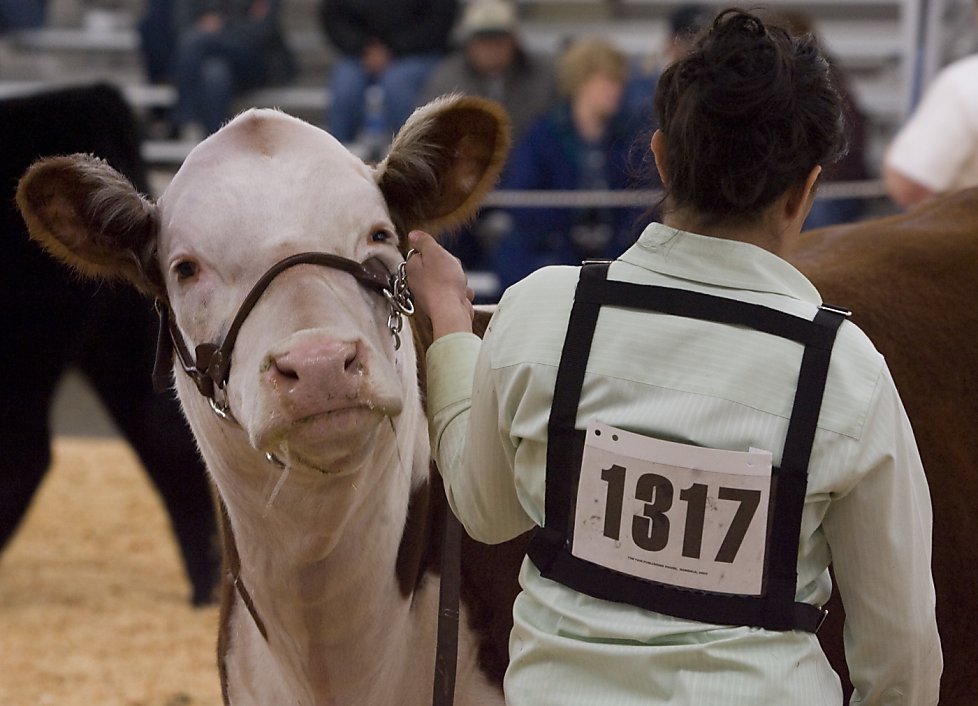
point(210, 366)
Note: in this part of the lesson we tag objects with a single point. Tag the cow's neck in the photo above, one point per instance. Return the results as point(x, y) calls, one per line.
point(320, 563)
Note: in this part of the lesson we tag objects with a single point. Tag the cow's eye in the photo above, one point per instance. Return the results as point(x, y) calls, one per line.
point(185, 269)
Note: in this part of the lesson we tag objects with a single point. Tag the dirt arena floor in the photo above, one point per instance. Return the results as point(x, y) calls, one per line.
point(93, 600)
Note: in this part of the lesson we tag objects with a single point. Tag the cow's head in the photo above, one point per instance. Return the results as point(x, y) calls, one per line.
point(314, 375)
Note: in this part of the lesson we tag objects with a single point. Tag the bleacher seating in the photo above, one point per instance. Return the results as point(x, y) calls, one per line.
point(874, 40)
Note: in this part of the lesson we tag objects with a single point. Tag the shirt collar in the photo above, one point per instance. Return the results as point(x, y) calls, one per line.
point(718, 262)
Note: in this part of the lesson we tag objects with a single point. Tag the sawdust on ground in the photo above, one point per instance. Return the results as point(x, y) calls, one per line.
point(93, 598)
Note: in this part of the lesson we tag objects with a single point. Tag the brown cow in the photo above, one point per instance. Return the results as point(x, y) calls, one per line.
point(910, 283)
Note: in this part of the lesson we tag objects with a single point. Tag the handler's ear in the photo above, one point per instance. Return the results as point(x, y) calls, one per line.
point(658, 147)
point(443, 162)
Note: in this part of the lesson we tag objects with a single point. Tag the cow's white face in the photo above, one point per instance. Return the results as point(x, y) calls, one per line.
point(314, 374)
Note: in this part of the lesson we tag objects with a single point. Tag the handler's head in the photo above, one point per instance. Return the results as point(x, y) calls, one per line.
point(745, 117)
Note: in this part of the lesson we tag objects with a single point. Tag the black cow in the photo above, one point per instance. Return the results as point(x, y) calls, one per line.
point(52, 320)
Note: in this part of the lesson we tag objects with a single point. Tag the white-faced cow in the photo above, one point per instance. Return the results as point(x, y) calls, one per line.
point(323, 465)
point(272, 255)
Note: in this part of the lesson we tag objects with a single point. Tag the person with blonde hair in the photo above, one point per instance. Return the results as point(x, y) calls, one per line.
point(582, 143)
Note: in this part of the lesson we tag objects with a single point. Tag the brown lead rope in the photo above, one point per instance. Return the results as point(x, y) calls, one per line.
point(446, 651)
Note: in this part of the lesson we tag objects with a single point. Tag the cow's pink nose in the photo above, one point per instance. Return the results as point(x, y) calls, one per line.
point(314, 363)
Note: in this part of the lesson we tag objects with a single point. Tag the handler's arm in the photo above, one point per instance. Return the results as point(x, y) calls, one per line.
point(438, 285)
point(880, 536)
point(904, 191)
point(931, 151)
point(463, 411)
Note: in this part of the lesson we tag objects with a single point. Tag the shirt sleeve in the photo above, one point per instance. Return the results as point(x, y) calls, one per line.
point(475, 466)
point(879, 533)
point(936, 142)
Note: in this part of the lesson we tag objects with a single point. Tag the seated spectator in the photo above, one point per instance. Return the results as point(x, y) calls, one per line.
point(157, 44)
point(391, 45)
point(685, 23)
point(492, 62)
point(223, 50)
point(157, 40)
point(581, 143)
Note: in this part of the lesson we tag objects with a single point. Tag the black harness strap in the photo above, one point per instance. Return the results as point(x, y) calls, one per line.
point(550, 546)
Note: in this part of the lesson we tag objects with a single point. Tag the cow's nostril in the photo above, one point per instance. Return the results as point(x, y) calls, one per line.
point(352, 363)
point(283, 369)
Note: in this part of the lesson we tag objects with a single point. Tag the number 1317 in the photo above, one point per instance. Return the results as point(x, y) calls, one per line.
point(651, 529)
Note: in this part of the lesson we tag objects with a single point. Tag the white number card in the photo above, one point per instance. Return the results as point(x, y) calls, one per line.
point(673, 513)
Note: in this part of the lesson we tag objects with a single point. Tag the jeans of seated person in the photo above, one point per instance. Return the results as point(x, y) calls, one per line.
point(401, 83)
point(22, 14)
point(157, 40)
point(209, 69)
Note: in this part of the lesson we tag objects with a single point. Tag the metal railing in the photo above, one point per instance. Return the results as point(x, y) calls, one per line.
point(867, 189)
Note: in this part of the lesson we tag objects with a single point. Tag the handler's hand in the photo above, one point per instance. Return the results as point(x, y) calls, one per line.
point(437, 282)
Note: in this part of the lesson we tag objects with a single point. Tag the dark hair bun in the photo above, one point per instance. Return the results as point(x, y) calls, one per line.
point(746, 115)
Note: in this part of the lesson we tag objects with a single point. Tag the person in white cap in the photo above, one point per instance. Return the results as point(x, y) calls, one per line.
point(491, 62)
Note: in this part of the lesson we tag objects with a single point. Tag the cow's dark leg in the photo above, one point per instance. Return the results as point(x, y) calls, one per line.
point(119, 368)
point(25, 452)
point(49, 318)
point(38, 319)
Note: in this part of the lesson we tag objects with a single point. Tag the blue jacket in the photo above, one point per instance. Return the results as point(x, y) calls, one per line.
point(548, 157)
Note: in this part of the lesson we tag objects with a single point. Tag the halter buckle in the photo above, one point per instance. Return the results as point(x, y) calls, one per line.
point(223, 408)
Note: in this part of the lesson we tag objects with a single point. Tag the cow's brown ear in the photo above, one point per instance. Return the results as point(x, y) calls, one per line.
point(444, 161)
point(90, 216)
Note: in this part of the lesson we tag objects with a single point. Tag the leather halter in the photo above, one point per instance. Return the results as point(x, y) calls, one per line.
point(210, 365)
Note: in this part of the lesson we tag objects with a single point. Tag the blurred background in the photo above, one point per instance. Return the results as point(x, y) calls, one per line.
point(93, 588)
point(888, 51)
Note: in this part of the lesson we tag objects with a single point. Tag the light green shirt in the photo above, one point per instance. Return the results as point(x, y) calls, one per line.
point(710, 385)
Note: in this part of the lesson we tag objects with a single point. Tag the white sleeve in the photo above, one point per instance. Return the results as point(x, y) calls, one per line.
point(932, 148)
point(465, 441)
